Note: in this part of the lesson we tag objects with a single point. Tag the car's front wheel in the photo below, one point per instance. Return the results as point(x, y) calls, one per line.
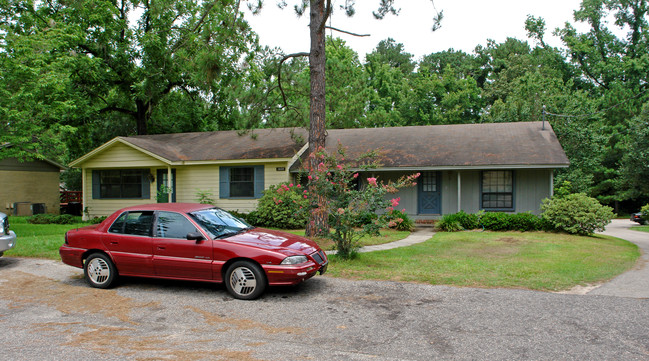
point(245, 280)
point(99, 270)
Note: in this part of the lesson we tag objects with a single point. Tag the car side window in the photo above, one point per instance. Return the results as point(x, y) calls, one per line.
point(136, 223)
point(173, 225)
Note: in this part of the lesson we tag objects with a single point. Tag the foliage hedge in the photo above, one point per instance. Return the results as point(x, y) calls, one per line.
point(53, 219)
point(491, 221)
point(572, 213)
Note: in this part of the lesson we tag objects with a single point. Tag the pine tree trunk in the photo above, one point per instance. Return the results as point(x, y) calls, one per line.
point(318, 224)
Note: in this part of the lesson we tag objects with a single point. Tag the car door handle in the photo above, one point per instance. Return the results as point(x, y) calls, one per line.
point(114, 243)
point(160, 248)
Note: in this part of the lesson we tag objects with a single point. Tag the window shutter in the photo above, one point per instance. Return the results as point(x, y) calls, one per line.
point(96, 185)
point(224, 182)
point(146, 185)
point(259, 181)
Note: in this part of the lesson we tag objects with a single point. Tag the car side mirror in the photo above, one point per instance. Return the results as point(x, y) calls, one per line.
point(195, 236)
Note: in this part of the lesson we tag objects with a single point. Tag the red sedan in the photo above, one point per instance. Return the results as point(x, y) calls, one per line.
point(195, 242)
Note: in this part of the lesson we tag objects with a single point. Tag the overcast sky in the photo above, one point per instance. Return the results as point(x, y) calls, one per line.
point(466, 23)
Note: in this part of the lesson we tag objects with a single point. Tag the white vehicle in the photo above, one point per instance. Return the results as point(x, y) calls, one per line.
point(7, 237)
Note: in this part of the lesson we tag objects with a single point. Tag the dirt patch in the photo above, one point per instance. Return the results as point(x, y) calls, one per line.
point(243, 324)
point(510, 240)
point(24, 288)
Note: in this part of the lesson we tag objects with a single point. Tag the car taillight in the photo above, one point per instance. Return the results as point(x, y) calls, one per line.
point(66, 238)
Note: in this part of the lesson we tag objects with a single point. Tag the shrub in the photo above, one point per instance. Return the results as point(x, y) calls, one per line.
point(576, 213)
point(283, 206)
point(97, 220)
point(525, 222)
point(250, 218)
point(492, 221)
point(53, 219)
point(496, 221)
point(399, 220)
point(449, 223)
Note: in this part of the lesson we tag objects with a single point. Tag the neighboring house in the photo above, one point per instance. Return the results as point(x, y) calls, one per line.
point(29, 187)
point(495, 166)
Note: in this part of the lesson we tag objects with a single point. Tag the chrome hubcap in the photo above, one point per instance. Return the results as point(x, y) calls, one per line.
point(243, 281)
point(98, 270)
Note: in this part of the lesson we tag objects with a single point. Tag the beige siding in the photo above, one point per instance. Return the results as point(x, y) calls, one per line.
point(120, 156)
point(189, 180)
point(29, 186)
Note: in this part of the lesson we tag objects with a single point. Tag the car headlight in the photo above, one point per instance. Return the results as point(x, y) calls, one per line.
point(294, 260)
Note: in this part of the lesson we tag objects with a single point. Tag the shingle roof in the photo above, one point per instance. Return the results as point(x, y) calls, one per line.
point(223, 145)
point(458, 145)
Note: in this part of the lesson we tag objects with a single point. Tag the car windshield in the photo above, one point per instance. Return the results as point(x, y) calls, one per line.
point(219, 223)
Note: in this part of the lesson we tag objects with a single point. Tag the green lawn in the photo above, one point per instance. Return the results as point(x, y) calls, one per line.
point(640, 228)
point(387, 236)
point(44, 240)
point(531, 260)
point(534, 260)
point(38, 240)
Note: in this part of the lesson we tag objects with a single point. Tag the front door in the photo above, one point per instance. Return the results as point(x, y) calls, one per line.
point(429, 193)
point(163, 197)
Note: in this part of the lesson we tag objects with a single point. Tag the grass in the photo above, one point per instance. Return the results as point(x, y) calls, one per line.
point(38, 240)
point(534, 260)
point(641, 228)
point(531, 260)
point(44, 240)
point(387, 236)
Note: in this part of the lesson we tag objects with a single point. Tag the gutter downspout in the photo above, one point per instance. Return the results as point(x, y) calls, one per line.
point(459, 191)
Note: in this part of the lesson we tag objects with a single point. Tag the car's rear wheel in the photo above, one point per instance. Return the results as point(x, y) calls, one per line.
point(99, 270)
point(245, 280)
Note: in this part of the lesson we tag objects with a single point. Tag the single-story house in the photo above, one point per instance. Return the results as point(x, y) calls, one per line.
point(493, 166)
point(29, 187)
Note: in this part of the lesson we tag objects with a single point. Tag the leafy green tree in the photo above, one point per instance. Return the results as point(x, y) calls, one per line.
point(131, 66)
point(615, 68)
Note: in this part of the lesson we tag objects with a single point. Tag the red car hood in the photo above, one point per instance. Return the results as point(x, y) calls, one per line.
point(282, 242)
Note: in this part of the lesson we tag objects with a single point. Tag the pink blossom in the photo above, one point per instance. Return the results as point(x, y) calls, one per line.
point(395, 201)
point(299, 186)
point(305, 196)
point(341, 211)
point(371, 181)
point(310, 177)
point(403, 210)
point(290, 185)
point(355, 175)
point(339, 166)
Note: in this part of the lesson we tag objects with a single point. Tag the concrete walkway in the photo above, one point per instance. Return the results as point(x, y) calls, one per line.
point(418, 236)
point(634, 283)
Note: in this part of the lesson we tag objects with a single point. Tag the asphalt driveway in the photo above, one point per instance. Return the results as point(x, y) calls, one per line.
point(634, 283)
point(47, 312)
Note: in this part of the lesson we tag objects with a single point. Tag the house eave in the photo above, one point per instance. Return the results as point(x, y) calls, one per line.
point(461, 167)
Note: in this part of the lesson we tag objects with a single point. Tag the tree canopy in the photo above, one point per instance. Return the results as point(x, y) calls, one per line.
point(76, 74)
